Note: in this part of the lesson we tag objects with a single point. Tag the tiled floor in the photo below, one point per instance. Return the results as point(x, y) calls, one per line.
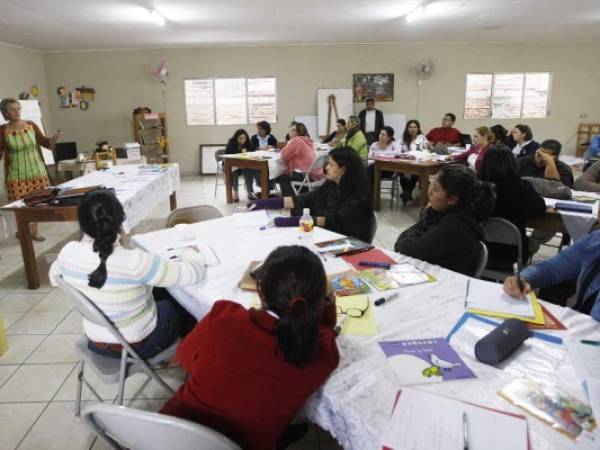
point(37, 374)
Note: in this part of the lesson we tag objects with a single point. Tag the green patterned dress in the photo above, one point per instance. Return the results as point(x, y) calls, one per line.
point(25, 168)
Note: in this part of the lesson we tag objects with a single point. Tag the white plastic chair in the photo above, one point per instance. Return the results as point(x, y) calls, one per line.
point(128, 428)
point(111, 370)
point(319, 163)
point(219, 173)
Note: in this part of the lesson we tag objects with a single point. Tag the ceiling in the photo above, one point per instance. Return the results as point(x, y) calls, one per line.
point(60, 25)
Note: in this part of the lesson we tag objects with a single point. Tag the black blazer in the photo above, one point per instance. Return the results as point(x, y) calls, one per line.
point(272, 141)
point(529, 149)
point(233, 147)
point(449, 239)
point(351, 216)
point(378, 120)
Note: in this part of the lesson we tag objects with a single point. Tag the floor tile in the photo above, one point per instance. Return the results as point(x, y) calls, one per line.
point(57, 348)
point(71, 324)
point(20, 301)
point(10, 318)
point(6, 372)
point(35, 383)
point(58, 428)
point(15, 421)
point(35, 322)
point(20, 346)
point(55, 301)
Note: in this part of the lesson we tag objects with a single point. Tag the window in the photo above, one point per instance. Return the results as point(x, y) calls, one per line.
point(507, 95)
point(230, 101)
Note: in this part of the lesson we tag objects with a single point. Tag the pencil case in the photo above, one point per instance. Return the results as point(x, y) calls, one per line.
point(501, 341)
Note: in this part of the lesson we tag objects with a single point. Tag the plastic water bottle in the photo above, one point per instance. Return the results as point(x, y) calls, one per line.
point(306, 225)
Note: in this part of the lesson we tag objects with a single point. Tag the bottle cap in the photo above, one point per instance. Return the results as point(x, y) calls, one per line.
point(306, 211)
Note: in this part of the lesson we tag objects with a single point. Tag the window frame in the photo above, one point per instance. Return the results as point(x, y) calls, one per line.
point(493, 89)
point(214, 99)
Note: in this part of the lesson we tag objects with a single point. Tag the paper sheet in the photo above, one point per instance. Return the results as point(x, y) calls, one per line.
point(491, 297)
point(425, 421)
point(585, 358)
point(251, 218)
point(589, 440)
point(359, 326)
point(593, 393)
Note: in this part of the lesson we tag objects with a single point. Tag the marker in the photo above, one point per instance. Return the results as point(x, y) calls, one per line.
point(340, 324)
point(382, 300)
point(596, 343)
point(382, 265)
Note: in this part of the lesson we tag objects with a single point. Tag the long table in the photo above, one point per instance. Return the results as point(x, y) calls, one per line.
point(139, 188)
point(356, 402)
point(423, 169)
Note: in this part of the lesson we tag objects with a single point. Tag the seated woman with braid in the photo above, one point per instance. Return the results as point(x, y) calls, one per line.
point(120, 281)
point(342, 204)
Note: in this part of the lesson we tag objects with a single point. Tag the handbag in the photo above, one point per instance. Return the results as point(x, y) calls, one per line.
point(40, 197)
point(56, 196)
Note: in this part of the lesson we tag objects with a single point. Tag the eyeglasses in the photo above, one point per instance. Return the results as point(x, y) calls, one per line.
point(353, 311)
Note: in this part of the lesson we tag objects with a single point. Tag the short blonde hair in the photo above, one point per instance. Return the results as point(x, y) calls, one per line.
point(4, 106)
point(485, 132)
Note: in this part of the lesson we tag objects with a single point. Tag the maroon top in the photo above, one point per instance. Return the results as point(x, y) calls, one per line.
point(445, 135)
point(475, 149)
point(238, 380)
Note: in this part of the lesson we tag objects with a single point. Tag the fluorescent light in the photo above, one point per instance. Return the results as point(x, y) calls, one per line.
point(156, 16)
point(415, 14)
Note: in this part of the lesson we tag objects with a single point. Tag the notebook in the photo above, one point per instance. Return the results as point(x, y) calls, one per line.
point(426, 421)
point(343, 246)
point(574, 207)
point(372, 255)
point(248, 282)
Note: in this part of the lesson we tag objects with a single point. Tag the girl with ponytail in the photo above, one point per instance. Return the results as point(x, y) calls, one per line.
point(120, 281)
point(251, 371)
point(448, 231)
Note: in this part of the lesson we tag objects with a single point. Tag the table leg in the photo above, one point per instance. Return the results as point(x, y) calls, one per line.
point(264, 181)
point(33, 279)
point(424, 183)
point(173, 201)
point(227, 175)
point(376, 187)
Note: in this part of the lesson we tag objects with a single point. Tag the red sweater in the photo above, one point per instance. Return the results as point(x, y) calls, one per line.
point(445, 135)
point(463, 157)
point(299, 154)
point(239, 383)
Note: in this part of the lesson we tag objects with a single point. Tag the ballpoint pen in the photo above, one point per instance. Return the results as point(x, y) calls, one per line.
point(519, 280)
point(467, 292)
point(465, 431)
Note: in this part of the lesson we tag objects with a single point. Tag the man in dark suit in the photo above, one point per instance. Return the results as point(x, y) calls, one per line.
point(371, 121)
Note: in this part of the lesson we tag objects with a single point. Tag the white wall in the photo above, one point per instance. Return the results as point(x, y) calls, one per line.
point(20, 69)
point(122, 81)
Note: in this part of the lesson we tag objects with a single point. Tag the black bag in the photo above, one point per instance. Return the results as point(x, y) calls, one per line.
point(501, 342)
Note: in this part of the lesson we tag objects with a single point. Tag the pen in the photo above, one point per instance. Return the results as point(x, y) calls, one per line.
point(465, 431)
point(596, 343)
point(383, 265)
point(338, 326)
point(467, 292)
point(519, 281)
point(382, 300)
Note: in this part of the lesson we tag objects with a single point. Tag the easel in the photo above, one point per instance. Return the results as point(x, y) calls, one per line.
point(331, 105)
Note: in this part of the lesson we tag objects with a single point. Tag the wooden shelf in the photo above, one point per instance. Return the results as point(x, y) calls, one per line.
point(149, 131)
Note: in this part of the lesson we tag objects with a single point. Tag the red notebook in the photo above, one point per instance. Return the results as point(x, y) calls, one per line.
point(373, 255)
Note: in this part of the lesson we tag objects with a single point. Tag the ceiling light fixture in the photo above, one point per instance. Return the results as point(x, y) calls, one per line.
point(158, 18)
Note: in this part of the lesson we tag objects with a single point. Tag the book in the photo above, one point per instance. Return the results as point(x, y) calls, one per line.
point(562, 411)
point(574, 207)
point(379, 279)
point(343, 246)
point(420, 361)
point(427, 421)
point(407, 275)
point(248, 281)
point(372, 255)
point(348, 283)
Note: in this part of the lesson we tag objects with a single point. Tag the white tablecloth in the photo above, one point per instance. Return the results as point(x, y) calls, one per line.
point(72, 165)
point(577, 224)
point(276, 164)
point(139, 188)
point(356, 402)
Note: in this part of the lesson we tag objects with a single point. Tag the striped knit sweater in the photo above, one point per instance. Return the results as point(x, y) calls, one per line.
point(126, 297)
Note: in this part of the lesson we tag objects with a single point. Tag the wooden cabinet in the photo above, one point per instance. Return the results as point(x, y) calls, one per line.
point(150, 131)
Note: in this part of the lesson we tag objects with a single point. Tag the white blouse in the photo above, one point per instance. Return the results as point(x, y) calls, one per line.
point(390, 151)
point(419, 144)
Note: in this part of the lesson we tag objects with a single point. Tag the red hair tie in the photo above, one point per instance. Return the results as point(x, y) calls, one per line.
point(297, 299)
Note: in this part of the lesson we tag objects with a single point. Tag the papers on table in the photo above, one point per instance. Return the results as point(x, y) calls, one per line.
point(425, 421)
point(488, 296)
point(258, 218)
point(362, 326)
point(586, 359)
point(175, 251)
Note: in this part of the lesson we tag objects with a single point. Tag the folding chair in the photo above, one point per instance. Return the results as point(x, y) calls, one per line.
point(483, 260)
point(219, 172)
point(122, 427)
point(111, 370)
point(319, 163)
point(500, 231)
point(193, 214)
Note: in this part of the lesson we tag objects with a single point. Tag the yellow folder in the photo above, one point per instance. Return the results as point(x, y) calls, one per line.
point(537, 310)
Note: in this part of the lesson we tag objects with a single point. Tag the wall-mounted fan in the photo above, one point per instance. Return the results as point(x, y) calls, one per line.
point(424, 70)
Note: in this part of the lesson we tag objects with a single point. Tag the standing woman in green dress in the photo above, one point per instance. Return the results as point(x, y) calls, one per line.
point(24, 168)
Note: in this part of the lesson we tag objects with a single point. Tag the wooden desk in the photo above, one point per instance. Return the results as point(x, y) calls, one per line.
point(262, 165)
point(423, 169)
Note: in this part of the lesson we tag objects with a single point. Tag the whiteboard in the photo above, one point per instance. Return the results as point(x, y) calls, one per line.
point(343, 101)
point(397, 122)
point(30, 110)
point(208, 163)
point(311, 125)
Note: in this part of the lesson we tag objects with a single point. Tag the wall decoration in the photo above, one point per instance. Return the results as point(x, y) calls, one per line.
point(84, 105)
point(35, 91)
point(379, 86)
point(24, 96)
point(162, 73)
point(87, 94)
point(80, 97)
point(64, 95)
